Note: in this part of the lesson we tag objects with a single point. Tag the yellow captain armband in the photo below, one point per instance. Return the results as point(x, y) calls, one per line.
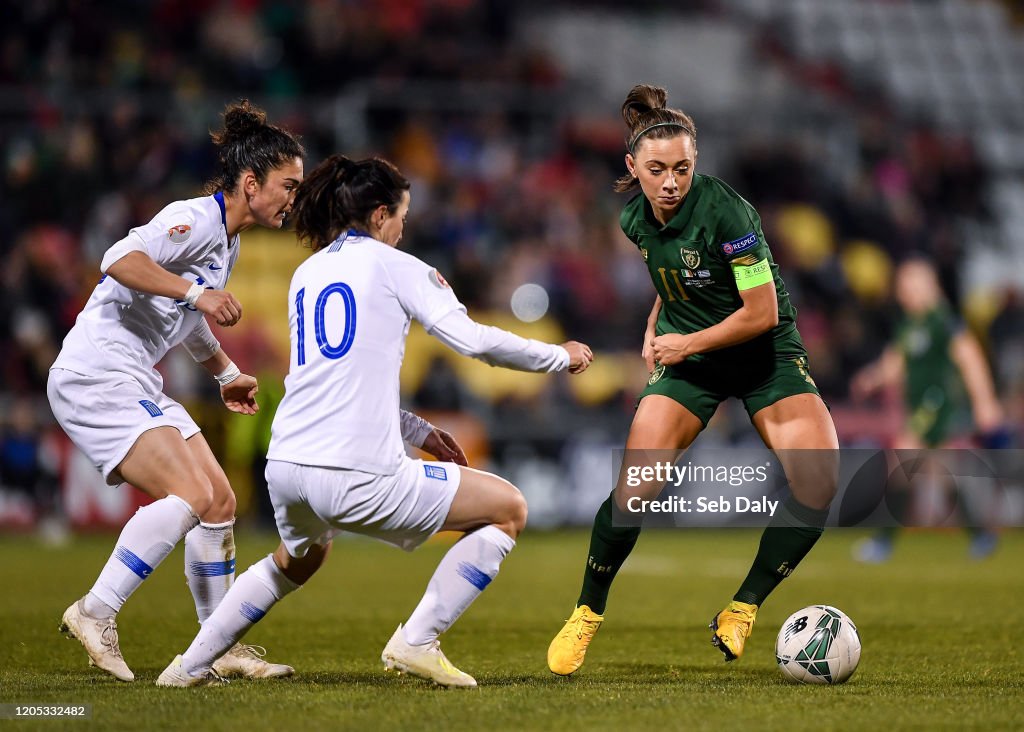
point(752, 275)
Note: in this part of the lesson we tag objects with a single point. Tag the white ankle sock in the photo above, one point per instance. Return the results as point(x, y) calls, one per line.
point(209, 564)
point(462, 575)
point(250, 598)
point(147, 538)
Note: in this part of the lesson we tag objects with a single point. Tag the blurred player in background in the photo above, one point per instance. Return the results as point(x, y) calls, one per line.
point(336, 460)
point(722, 325)
point(934, 357)
point(159, 284)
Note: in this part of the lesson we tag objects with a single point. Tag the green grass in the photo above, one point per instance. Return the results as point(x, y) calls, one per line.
point(940, 635)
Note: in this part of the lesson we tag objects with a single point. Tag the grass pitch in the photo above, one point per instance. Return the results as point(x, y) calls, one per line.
point(940, 637)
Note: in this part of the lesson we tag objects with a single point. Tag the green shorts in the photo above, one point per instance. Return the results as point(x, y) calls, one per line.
point(701, 385)
point(937, 417)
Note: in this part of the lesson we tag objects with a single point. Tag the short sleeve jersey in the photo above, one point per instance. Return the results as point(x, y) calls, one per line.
point(691, 261)
point(349, 310)
point(932, 379)
point(123, 330)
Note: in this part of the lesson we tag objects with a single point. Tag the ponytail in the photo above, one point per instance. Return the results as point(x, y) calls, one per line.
point(340, 194)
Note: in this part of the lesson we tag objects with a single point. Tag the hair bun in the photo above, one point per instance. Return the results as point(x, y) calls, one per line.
point(641, 100)
point(242, 120)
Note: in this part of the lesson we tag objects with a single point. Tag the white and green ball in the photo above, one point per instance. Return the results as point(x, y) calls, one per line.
point(818, 644)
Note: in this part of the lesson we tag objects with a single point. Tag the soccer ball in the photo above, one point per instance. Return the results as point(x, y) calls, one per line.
point(818, 645)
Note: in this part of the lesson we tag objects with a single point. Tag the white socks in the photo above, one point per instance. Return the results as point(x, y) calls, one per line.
point(210, 564)
point(462, 575)
point(255, 591)
point(147, 538)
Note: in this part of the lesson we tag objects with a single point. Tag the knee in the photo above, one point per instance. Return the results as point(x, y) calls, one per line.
point(300, 569)
point(514, 514)
point(214, 501)
point(199, 495)
point(222, 502)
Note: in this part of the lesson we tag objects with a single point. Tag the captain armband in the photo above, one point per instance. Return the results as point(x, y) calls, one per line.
point(752, 275)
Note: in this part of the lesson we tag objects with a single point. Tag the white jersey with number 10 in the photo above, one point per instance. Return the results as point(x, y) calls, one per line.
point(349, 310)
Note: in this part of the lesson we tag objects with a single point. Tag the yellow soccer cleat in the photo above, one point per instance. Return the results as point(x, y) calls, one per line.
point(566, 652)
point(732, 627)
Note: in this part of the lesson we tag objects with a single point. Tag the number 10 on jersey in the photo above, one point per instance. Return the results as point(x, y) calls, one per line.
point(348, 332)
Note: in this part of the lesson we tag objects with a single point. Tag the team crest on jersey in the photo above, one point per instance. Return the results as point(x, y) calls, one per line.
point(179, 234)
point(691, 257)
point(438, 279)
point(658, 372)
point(643, 252)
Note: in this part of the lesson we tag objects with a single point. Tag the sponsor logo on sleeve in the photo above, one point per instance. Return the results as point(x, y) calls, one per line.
point(179, 234)
point(740, 245)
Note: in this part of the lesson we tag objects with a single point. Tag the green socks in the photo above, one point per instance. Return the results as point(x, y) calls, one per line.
point(785, 541)
point(609, 547)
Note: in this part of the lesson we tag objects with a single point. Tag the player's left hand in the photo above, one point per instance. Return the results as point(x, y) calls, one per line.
point(670, 349)
point(443, 446)
point(240, 395)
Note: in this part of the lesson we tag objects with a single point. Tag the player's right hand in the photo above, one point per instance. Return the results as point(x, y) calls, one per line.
point(221, 306)
point(648, 350)
point(580, 356)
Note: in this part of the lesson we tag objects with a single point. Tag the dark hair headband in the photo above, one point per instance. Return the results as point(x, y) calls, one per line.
point(644, 131)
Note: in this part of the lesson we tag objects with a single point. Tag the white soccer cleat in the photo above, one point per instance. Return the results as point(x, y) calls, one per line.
point(247, 661)
point(175, 675)
point(427, 662)
point(99, 637)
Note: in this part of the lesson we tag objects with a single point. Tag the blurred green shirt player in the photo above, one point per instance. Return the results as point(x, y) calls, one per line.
point(932, 389)
point(935, 359)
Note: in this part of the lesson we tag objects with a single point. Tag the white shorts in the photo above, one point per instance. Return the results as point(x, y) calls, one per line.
point(312, 504)
point(104, 415)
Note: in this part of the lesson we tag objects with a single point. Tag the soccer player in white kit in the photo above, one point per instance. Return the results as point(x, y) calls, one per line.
point(336, 460)
point(159, 283)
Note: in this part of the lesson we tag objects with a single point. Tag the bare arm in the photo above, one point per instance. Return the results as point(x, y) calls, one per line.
point(887, 370)
point(649, 334)
point(136, 271)
point(758, 314)
point(237, 390)
point(970, 360)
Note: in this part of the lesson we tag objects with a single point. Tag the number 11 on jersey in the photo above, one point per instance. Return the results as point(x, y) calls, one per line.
point(320, 325)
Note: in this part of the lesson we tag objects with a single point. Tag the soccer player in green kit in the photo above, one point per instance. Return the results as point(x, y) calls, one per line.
point(722, 325)
point(936, 359)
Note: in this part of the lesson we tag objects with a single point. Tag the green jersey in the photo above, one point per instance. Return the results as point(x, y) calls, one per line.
point(932, 380)
point(700, 260)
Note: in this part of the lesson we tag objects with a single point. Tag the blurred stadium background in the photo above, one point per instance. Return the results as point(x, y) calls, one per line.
point(861, 130)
